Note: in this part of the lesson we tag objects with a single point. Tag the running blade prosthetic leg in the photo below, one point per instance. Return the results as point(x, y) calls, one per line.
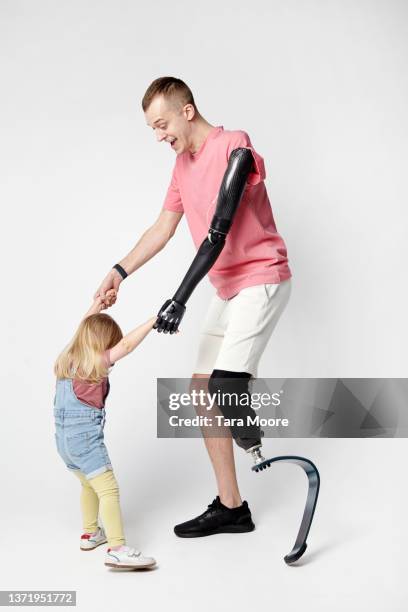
point(313, 477)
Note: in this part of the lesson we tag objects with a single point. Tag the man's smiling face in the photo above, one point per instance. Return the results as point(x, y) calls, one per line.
point(171, 122)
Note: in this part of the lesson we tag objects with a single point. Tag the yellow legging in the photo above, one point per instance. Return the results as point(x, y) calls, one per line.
point(101, 494)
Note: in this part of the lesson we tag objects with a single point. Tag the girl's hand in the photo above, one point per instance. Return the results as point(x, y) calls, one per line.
point(99, 304)
point(110, 299)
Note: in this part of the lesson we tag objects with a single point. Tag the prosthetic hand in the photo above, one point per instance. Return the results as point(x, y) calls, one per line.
point(229, 198)
point(169, 317)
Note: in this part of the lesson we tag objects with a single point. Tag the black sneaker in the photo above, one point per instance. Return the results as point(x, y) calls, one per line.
point(217, 519)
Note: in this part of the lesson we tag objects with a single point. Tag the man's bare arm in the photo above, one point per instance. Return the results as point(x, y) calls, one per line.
point(151, 242)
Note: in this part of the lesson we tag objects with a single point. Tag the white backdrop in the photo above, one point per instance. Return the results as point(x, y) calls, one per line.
point(321, 88)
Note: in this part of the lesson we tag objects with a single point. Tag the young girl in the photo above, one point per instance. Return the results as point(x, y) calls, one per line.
point(79, 410)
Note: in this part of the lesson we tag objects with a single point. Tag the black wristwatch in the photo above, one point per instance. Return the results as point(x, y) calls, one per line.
point(121, 271)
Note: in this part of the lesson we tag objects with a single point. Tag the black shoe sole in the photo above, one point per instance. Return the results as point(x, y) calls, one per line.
point(227, 529)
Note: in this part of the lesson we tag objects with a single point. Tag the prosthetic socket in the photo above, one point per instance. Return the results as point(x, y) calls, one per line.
point(229, 197)
point(232, 389)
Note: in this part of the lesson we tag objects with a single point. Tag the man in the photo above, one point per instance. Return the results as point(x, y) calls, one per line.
point(218, 182)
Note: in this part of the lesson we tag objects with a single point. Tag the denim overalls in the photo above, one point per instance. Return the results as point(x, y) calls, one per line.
point(79, 432)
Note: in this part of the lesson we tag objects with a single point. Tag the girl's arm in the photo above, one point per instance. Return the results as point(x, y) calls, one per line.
point(131, 340)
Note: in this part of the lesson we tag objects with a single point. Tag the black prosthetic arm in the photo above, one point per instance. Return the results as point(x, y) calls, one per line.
point(204, 260)
point(229, 197)
point(231, 190)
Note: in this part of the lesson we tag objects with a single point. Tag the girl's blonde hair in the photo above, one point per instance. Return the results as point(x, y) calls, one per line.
point(82, 358)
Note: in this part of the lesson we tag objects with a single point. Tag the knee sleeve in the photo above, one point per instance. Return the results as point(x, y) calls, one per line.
point(232, 396)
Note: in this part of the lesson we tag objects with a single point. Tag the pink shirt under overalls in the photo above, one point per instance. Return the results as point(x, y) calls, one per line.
point(93, 394)
point(254, 252)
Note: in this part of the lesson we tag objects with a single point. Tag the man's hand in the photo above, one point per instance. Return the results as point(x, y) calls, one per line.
point(110, 299)
point(99, 304)
point(169, 317)
point(110, 282)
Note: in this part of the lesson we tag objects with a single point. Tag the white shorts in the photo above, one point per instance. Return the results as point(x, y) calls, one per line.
point(236, 331)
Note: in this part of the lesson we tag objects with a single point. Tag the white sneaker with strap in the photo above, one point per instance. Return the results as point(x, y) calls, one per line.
point(89, 541)
point(128, 558)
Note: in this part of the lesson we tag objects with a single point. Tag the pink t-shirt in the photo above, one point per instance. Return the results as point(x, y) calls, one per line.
point(254, 252)
point(93, 394)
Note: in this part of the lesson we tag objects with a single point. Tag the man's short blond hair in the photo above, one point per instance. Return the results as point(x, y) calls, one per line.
point(171, 88)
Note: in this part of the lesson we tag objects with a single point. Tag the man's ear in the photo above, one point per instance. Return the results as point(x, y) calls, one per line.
point(189, 112)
